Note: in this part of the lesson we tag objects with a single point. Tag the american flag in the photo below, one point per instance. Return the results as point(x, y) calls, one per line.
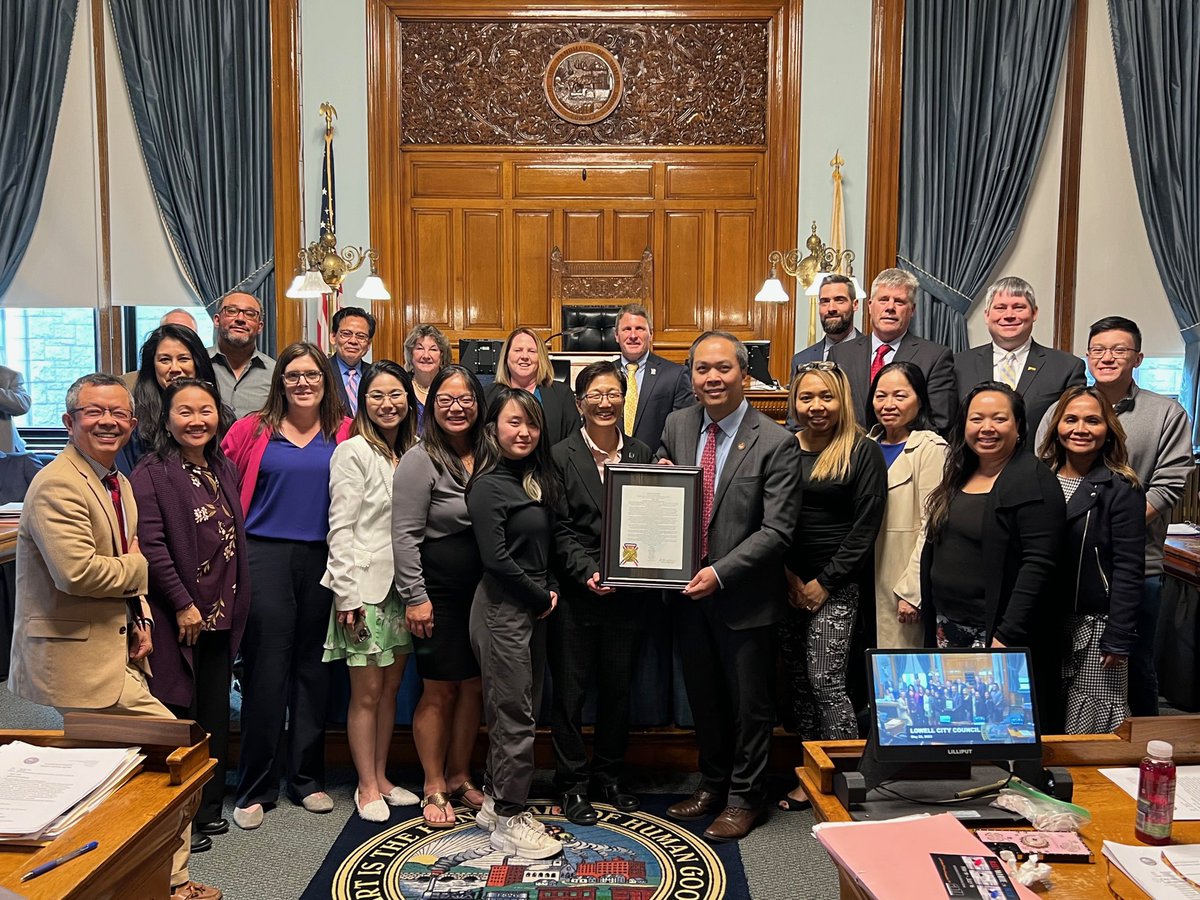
point(327, 302)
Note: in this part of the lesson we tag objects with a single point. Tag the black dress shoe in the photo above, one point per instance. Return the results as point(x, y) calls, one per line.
point(216, 826)
point(615, 797)
point(200, 842)
point(578, 810)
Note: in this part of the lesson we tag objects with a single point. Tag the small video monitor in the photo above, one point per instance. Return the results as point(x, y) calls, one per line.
point(760, 360)
point(953, 705)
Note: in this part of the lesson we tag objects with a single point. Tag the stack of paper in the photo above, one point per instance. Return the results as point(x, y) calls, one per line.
point(1165, 873)
point(46, 790)
point(1187, 789)
point(10, 513)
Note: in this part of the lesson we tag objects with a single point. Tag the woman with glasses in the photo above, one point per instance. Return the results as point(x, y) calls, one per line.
point(915, 455)
point(595, 633)
point(169, 353)
point(1099, 585)
point(282, 454)
point(192, 533)
point(994, 526)
point(525, 364)
point(844, 486)
point(426, 352)
point(366, 627)
point(437, 571)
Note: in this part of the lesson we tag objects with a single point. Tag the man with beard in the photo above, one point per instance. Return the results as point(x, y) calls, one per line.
point(836, 305)
point(243, 372)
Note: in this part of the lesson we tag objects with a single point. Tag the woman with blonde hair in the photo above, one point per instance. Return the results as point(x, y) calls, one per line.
point(525, 364)
point(844, 485)
point(1099, 584)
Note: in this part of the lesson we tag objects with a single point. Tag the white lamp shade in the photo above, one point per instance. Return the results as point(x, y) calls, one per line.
point(814, 289)
point(373, 289)
point(293, 290)
point(313, 285)
point(772, 292)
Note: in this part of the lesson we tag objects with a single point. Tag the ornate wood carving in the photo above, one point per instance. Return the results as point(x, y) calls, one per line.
point(601, 279)
point(685, 84)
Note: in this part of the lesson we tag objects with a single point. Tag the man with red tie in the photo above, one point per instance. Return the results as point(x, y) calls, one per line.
point(82, 635)
point(726, 616)
point(891, 308)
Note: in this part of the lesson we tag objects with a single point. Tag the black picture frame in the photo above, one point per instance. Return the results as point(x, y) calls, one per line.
point(618, 479)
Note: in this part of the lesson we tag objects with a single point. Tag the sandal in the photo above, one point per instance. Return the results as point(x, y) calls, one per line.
point(460, 794)
point(438, 799)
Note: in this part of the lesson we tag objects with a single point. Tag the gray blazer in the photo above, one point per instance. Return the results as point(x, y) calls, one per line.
point(14, 401)
point(1047, 374)
point(936, 361)
point(666, 387)
point(755, 506)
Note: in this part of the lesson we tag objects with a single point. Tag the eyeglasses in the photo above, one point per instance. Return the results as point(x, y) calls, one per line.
point(361, 336)
point(466, 401)
point(379, 396)
point(1117, 352)
point(95, 413)
point(598, 397)
point(311, 377)
point(236, 312)
point(819, 365)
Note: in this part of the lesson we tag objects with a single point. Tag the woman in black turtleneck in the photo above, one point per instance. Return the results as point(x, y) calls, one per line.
point(511, 499)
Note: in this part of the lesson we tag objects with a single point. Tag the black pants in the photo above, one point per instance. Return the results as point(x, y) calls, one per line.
point(284, 678)
point(593, 638)
point(212, 671)
point(729, 676)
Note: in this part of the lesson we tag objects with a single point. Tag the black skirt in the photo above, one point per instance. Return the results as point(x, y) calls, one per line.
point(452, 569)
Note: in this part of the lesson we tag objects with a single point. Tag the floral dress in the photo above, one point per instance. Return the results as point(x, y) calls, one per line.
point(216, 549)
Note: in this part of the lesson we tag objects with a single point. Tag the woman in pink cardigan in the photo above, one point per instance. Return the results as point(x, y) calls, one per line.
point(282, 455)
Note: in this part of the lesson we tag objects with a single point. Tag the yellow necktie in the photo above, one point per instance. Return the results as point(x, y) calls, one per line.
point(631, 396)
point(1008, 370)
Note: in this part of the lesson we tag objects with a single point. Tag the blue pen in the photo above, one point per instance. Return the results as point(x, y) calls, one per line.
point(55, 863)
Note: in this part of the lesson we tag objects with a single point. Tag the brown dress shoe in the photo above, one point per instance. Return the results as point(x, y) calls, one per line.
point(194, 890)
point(697, 806)
point(733, 824)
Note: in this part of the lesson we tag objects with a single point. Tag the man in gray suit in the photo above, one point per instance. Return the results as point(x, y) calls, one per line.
point(1039, 374)
point(836, 305)
point(726, 616)
point(892, 303)
point(14, 401)
point(655, 386)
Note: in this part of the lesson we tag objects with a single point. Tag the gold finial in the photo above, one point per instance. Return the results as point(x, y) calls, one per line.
point(326, 109)
point(837, 162)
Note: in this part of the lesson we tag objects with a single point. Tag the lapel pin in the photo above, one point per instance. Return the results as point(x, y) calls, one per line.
point(1031, 368)
point(654, 371)
point(741, 445)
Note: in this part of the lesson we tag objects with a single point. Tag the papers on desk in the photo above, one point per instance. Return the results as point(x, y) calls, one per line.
point(46, 790)
point(10, 512)
point(1147, 868)
point(1187, 789)
point(1182, 529)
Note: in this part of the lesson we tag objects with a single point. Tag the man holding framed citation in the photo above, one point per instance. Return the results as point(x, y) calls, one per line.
point(726, 615)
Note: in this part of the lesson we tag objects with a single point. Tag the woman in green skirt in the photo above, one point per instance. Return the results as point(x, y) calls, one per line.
point(366, 627)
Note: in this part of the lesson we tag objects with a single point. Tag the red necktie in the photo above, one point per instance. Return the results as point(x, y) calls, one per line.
point(708, 462)
point(113, 483)
point(878, 363)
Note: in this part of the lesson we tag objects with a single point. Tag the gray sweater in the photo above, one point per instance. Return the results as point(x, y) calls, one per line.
point(1158, 438)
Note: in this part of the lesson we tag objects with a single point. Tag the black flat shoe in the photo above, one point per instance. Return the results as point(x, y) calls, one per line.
point(200, 842)
point(216, 826)
point(578, 810)
point(790, 804)
point(615, 797)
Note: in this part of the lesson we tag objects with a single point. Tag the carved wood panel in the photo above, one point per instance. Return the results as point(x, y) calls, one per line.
point(692, 83)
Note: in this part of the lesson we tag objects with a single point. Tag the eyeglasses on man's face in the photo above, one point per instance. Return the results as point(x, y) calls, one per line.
point(380, 396)
point(95, 413)
point(598, 397)
point(238, 312)
point(313, 376)
point(444, 401)
point(1117, 352)
point(361, 336)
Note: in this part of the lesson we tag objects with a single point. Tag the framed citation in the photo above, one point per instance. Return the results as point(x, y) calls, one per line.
point(651, 526)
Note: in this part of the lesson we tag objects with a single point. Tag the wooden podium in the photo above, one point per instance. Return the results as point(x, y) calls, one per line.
point(137, 827)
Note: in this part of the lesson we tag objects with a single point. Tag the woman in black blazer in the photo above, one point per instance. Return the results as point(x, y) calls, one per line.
point(526, 365)
point(593, 636)
point(994, 527)
point(1099, 583)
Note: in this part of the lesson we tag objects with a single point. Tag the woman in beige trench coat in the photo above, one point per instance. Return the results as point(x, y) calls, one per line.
point(915, 456)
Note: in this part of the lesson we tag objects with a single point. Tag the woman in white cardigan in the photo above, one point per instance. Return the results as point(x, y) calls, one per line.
point(915, 456)
point(366, 626)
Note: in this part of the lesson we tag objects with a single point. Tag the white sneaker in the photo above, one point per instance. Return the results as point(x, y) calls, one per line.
point(525, 837)
point(486, 818)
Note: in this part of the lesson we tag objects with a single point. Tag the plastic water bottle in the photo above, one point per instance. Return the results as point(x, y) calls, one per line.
point(1156, 795)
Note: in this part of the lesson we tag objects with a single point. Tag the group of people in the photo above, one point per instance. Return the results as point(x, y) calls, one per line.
point(294, 511)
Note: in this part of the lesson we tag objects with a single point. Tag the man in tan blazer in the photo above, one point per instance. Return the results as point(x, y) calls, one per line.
point(82, 634)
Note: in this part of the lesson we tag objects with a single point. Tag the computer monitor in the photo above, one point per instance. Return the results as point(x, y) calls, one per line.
point(760, 360)
point(479, 356)
point(953, 705)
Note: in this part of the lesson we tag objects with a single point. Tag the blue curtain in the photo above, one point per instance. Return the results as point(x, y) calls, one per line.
point(1157, 47)
point(199, 79)
point(979, 83)
point(35, 45)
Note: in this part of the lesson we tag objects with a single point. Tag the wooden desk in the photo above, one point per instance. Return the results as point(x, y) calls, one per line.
point(1181, 558)
point(8, 542)
point(1111, 808)
point(137, 828)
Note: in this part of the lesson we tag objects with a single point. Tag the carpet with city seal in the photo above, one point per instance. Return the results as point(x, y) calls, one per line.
point(626, 856)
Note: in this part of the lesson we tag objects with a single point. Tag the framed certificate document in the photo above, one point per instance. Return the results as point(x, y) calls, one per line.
point(651, 533)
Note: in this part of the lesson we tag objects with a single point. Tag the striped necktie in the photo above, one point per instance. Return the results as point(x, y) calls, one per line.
point(1008, 370)
point(352, 390)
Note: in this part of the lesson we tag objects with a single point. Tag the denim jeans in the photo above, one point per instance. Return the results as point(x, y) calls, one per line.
point(1143, 680)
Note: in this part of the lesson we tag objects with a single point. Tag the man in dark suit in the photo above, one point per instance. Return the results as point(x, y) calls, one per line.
point(837, 303)
point(1039, 374)
point(657, 386)
point(353, 331)
point(727, 615)
point(892, 303)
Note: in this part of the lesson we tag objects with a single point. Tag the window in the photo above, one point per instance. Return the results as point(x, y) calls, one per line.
point(1161, 374)
point(50, 348)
